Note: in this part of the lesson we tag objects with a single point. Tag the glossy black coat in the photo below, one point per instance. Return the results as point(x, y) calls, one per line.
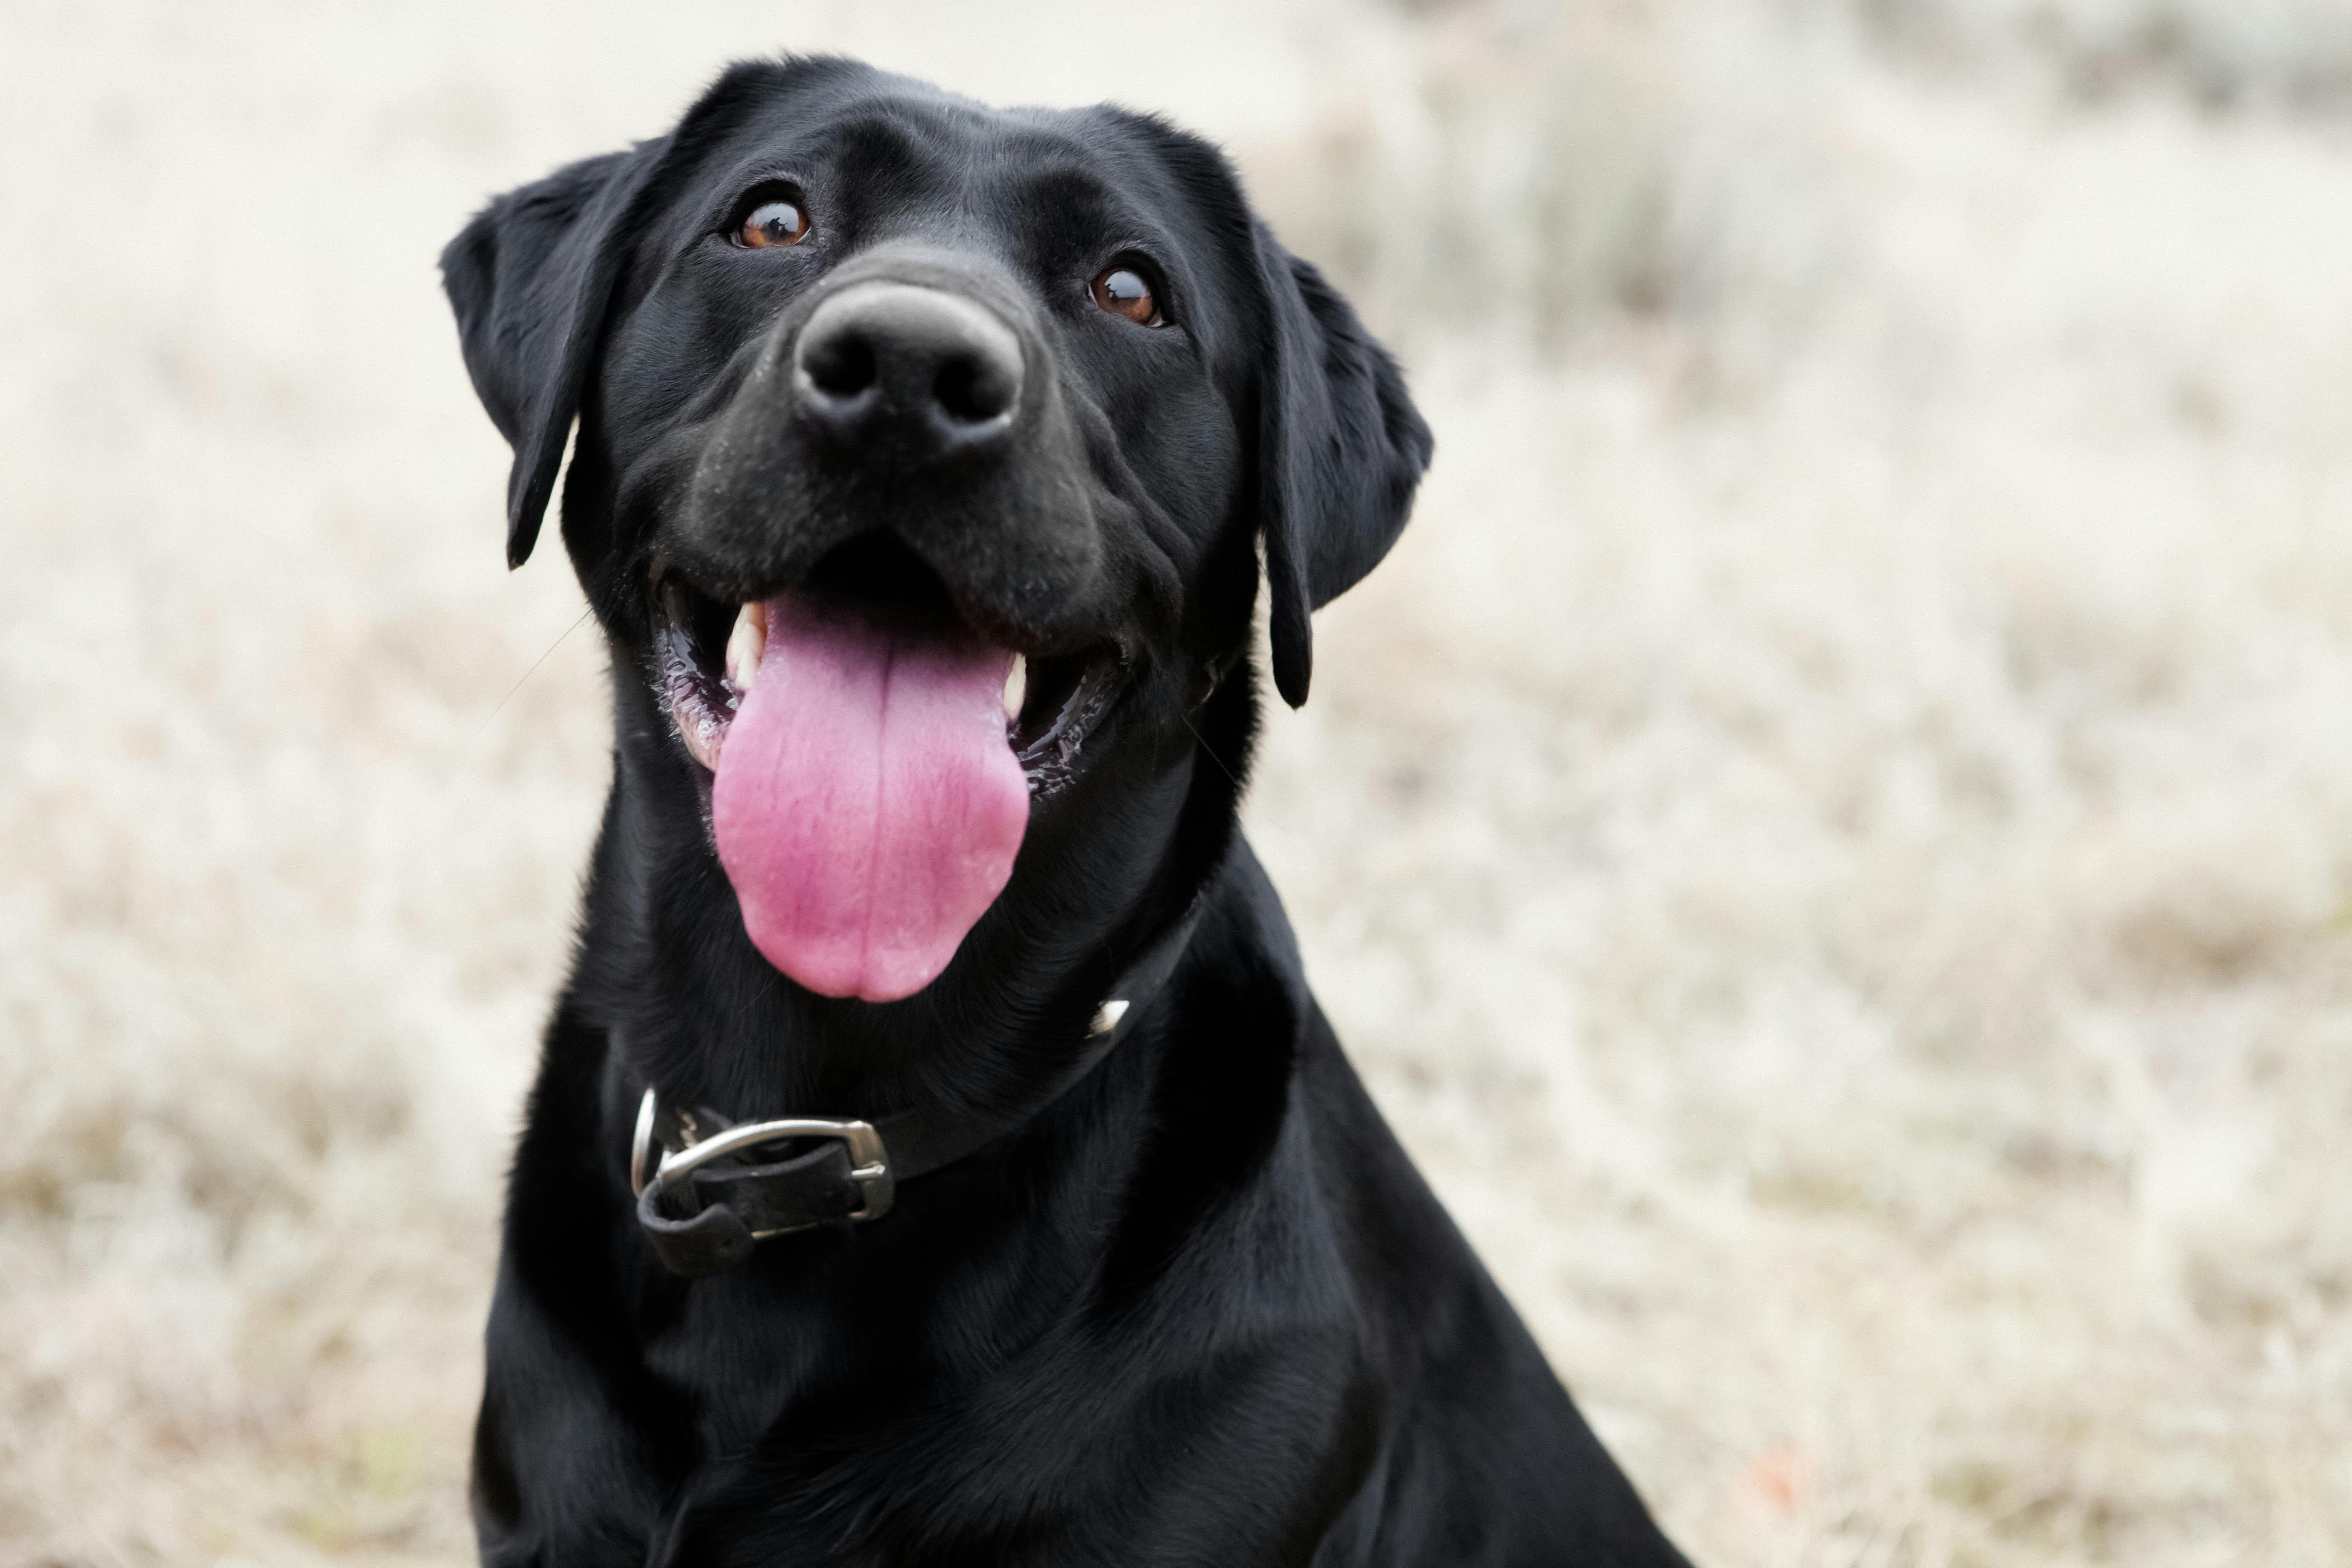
point(1202, 1310)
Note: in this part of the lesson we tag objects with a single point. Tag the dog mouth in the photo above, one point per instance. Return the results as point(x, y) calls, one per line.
point(872, 759)
point(709, 652)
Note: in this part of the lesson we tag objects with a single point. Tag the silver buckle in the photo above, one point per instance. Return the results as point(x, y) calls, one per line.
point(869, 1162)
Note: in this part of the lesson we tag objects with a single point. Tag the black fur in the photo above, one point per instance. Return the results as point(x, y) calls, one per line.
point(1201, 1311)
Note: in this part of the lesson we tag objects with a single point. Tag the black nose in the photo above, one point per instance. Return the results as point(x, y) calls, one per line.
point(920, 371)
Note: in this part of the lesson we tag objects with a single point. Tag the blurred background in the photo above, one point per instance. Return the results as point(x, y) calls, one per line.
point(1831, 837)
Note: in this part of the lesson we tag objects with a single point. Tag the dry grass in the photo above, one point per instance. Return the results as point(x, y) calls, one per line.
point(1832, 837)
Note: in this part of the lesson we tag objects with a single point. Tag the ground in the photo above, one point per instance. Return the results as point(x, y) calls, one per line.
point(1831, 837)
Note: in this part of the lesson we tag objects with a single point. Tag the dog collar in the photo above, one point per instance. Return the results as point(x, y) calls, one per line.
point(716, 1188)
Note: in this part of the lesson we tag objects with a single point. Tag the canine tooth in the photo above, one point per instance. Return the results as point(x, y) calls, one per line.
point(702, 737)
point(745, 644)
point(1017, 686)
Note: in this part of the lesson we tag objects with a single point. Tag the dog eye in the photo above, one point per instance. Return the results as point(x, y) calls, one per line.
point(777, 222)
point(1122, 292)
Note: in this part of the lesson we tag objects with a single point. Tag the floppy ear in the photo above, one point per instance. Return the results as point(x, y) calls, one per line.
point(529, 278)
point(1341, 450)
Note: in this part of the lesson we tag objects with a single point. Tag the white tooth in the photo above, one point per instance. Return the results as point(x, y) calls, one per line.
point(702, 737)
point(1017, 686)
point(745, 644)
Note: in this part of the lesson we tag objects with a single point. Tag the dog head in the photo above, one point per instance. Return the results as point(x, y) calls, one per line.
point(924, 454)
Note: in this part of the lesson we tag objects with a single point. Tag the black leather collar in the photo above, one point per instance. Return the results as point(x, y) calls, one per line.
point(719, 1186)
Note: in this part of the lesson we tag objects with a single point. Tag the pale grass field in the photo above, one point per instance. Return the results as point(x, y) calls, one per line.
point(1832, 837)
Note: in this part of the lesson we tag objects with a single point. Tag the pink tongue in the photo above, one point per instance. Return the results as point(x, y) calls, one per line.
point(867, 804)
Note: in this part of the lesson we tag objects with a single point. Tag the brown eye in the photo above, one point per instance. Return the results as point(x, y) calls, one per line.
point(1122, 292)
point(773, 223)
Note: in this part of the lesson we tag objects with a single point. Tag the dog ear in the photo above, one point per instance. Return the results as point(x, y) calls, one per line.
point(1340, 451)
point(529, 278)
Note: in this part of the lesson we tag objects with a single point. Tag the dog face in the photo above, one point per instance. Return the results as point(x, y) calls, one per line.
point(923, 453)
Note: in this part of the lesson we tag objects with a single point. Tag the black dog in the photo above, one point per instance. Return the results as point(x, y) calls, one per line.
point(924, 457)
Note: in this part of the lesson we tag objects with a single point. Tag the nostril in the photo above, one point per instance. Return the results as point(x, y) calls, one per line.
point(913, 369)
point(973, 388)
point(839, 364)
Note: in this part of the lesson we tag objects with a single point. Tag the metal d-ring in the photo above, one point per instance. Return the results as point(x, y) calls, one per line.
point(641, 1145)
point(869, 1160)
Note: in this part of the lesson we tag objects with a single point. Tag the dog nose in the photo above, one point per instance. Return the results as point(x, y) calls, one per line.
point(921, 372)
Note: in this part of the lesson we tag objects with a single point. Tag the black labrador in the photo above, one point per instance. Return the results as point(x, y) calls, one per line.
point(936, 1155)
